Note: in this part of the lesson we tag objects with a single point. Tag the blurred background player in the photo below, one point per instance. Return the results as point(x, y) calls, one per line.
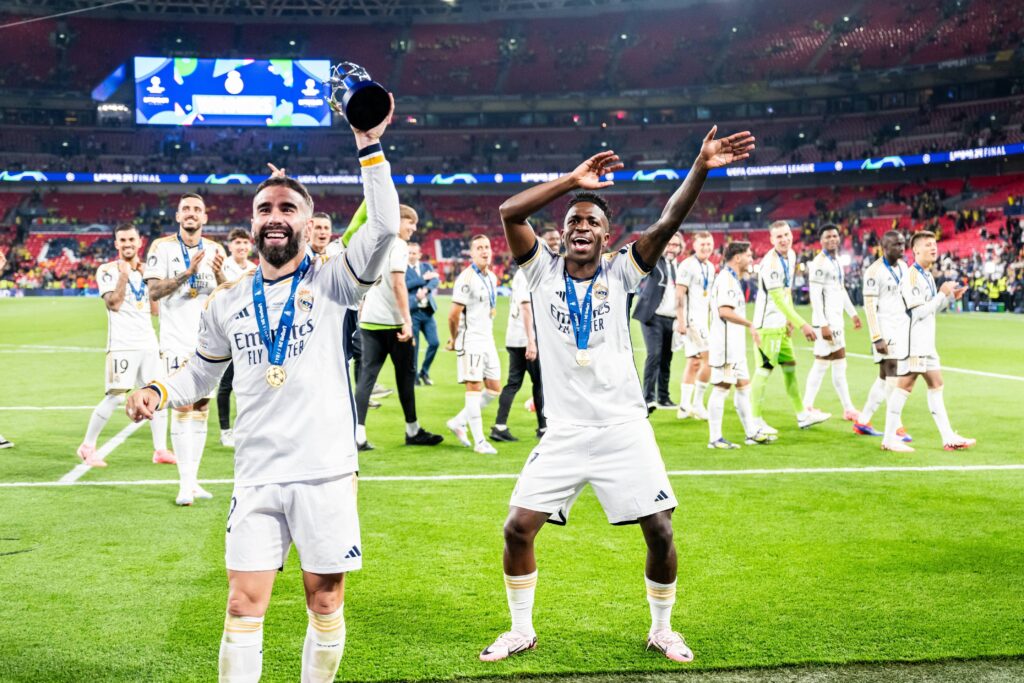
point(775, 318)
point(655, 309)
point(694, 279)
point(918, 354)
point(471, 330)
point(422, 281)
point(385, 327)
point(521, 344)
point(887, 320)
point(319, 233)
point(133, 355)
point(829, 300)
point(728, 349)
point(239, 248)
point(181, 272)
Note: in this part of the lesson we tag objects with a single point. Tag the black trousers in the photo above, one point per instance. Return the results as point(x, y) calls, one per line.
point(518, 367)
point(378, 346)
point(224, 398)
point(658, 339)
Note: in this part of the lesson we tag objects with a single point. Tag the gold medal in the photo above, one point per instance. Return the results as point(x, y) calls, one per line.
point(276, 376)
point(193, 292)
point(494, 312)
point(582, 358)
point(138, 305)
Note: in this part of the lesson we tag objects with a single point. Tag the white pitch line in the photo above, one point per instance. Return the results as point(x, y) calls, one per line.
point(47, 407)
point(45, 348)
point(477, 477)
point(945, 368)
point(75, 474)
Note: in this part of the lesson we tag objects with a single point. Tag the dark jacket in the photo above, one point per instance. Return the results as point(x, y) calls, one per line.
point(651, 291)
point(414, 281)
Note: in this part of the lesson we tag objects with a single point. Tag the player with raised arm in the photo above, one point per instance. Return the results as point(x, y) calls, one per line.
point(239, 248)
point(829, 300)
point(181, 272)
point(916, 353)
point(296, 457)
point(133, 356)
point(887, 321)
point(598, 432)
point(471, 336)
point(775, 319)
point(694, 279)
point(728, 349)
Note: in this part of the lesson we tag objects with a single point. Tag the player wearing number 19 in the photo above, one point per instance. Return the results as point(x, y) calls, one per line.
point(598, 431)
point(132, 353)
point(295, 449)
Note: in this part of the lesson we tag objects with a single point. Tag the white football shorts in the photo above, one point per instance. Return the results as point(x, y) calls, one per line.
point(319, 517)
point(696, 341)
point(730, 373)
point(917, 364)
point(127, 370)
point(477, 363)
point(822, 347)
point(621, 462)
point(174, 361)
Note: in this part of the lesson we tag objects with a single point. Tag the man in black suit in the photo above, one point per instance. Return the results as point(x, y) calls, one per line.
point(655, 309)
point(422, 280)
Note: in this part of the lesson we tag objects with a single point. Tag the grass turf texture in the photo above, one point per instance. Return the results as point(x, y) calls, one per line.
point(777, 572)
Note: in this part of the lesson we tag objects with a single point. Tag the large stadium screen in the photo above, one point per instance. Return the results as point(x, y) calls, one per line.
point(185, 91)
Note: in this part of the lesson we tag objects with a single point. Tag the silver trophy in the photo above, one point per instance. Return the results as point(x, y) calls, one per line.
point(362, 101)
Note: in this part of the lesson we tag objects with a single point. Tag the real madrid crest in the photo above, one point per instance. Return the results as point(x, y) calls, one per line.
point(600, 291)
point(304, 299)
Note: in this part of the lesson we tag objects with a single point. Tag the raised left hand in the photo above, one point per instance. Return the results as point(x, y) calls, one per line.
point(727, 150)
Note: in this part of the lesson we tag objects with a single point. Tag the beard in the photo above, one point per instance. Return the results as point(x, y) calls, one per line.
point(276, 255)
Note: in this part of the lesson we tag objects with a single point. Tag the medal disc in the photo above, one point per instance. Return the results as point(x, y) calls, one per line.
point(193, 292)
point(582, 358)
point(276, 376)
point(494, 312)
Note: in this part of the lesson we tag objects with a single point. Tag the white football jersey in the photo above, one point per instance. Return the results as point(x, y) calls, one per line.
point(129, 328)
point(474, 291)
point(829, 299)
point(180, 310)
point(607, 390)
point(515, 331)
point(380, 306)
point(698, 277)
point(728, 342)
point(773, 273)
point(232, 271)
point(883, 282)
point(918, 288)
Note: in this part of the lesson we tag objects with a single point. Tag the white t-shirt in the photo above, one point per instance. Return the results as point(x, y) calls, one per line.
point(829, 298)
point(129, 328)
point(232, 271)
point(917, 289)
point(475, 291)
point(667, 307)
point(728, 341)
point(380, 306)
point(884, 283)
point(607, 391)
point(698, 277)
point(180, 310)
point(774, 273)
point(515, 331)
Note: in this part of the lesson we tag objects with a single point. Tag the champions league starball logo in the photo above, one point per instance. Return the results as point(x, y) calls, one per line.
point(152, 260)
point(871, 282)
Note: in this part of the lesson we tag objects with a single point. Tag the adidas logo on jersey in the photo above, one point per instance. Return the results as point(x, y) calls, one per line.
point(661, 496)
point(353, 553)
point(244, 313)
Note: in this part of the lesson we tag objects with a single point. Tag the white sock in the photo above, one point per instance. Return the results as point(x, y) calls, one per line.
point(360, 433)
point(814, 380)
point(879, 392)
point(685, 395)
point(181, 440)
point(499, 427)
point(100, 415)
point(698, 395)
point(716, 406)
point(241, 650)
point(891, 384)
point(839, 383)
point(472, 415)
point(937, 406)
point(520, 591)
point(487, 398)
point(199, 428)
point(741, 401)
point(159, 428)
point(894, 414)
point(412, 428)
point(661, 596)
point(324, 646)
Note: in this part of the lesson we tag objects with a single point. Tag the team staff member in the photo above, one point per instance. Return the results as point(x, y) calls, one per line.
point(239, 247)
point(656, 311)
point(422, 281)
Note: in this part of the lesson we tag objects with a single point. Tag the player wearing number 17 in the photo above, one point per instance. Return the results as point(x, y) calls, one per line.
point(295, 450)
point(598, 432)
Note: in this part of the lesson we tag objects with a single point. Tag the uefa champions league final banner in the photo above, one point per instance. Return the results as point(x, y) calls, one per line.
point(654, 175)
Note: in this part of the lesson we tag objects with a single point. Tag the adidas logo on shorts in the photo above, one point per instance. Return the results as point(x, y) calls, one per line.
point(353, 553)
point(661, 496)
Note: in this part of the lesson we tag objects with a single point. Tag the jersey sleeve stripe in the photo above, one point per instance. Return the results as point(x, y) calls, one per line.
point(212, 359)
point(161, 391)
point(637, 260)
point(348, 267)
point(530, 255)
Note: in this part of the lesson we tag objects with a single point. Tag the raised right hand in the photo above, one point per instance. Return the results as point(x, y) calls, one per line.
point(142, 404)
point(588, 174)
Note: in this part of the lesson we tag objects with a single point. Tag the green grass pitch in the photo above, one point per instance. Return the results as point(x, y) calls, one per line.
point(824, 576)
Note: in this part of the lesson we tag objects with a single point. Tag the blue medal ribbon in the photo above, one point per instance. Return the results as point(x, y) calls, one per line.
point(733, 272)
point(278, 344)
point(139, 293)
point(492, 295)
point(839, 268)
point(580, 316)
point(891, 271)
point(785, 268)
point(927, 278)
point(192, 281)
point(704, 274)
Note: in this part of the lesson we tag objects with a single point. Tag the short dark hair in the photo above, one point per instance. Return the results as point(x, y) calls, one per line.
point(192, 195)
point(239, 233)
point(734, 249)
point(591, 198)
point(921, 235)
point(828, 227)
point(122, 227)
point(291, 184)
point(545, 230)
